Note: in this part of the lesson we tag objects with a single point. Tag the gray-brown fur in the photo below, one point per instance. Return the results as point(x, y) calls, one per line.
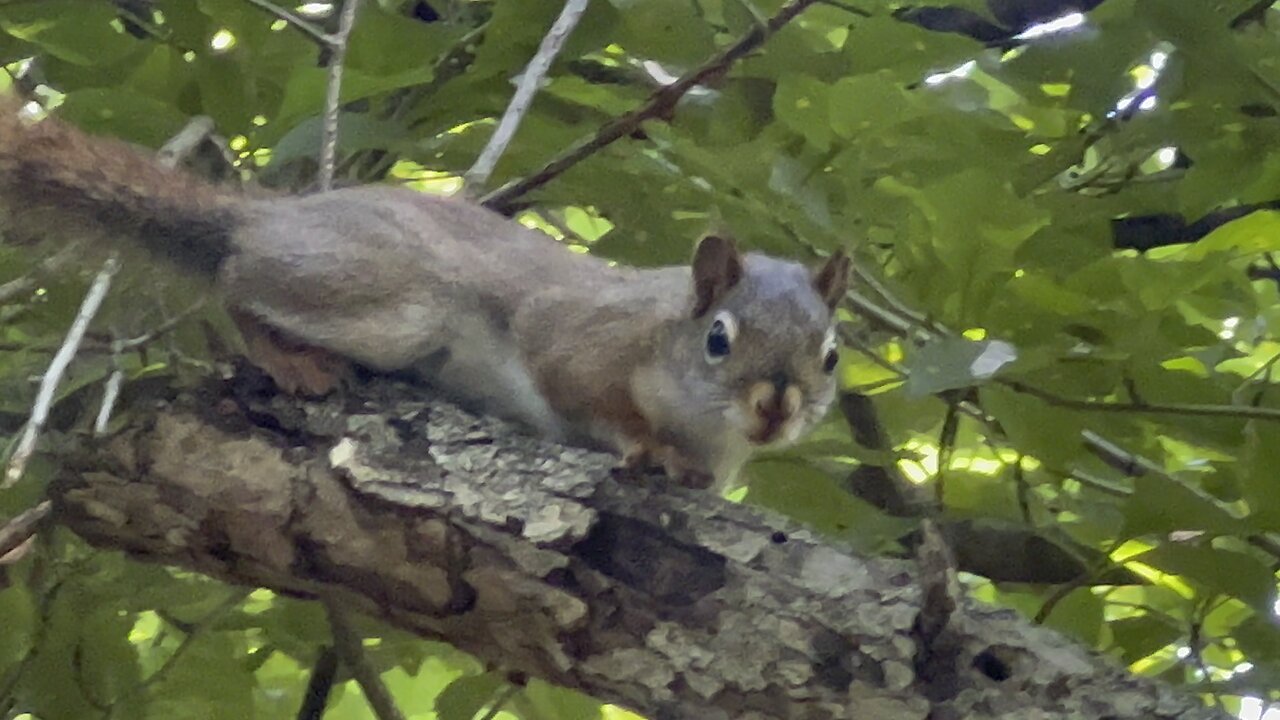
point(502, 317)
point(56, 181)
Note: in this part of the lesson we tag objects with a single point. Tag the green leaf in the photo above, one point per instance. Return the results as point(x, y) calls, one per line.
point(89, 40)
point(1258, 472)
point(468, 695)
point(871, 103)
point(542, 701)
point(124, 114)
point(1048, 433)
point(17, 607)
point(356, 131)
point(1220, 571)
point(1080, 615)
point(800, 102)
point(1142, 635)
point(955, 363)
point(1254, 233)
point(1162, 505)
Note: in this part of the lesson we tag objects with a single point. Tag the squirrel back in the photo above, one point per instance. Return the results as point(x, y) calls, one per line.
point(691, 368)
point(58, 181)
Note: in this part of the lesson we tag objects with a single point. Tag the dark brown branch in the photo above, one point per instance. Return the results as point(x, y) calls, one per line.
point(1241, 412)
point(22, 527)
point(659, 104)
point(1147, 232)
point(323, 674)
point(351, 651)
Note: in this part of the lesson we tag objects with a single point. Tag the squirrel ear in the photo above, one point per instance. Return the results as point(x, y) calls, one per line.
point(717, 267)
point(832, 279)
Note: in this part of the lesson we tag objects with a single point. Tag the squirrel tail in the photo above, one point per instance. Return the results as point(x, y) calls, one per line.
point(57, 181)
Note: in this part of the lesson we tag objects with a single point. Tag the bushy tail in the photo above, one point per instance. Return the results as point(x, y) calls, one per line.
point(59, 182)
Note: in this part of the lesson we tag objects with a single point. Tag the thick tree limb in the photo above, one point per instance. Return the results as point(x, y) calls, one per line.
point(666, 600)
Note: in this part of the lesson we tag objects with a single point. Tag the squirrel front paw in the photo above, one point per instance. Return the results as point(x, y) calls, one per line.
point(644, 458)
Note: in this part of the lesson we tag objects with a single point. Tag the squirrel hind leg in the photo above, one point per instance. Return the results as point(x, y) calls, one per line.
point(296, 367)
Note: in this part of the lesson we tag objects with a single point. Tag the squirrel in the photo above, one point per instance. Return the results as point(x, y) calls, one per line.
point(686, 369)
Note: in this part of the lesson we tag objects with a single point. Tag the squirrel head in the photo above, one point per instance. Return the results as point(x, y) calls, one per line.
point(760, 342)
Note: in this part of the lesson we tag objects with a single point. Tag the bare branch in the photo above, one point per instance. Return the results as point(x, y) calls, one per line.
point(528, 86)
point(111, 391)
point(22, 527)
point(180, 146)
point(351, 651)
point(306, 28)
point(323, 673)
point(49, 265)
point(57, 367)
point(164, 327)
point(660, 103)
point(333, 94)
point(1244, 412)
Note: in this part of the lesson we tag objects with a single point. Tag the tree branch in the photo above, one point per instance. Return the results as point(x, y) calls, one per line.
point(1243, 412)
point(333, 93)
point(530, 81)
point(350, 650)
point(22, 527)
point(661, 102)
point(665, 600)
point(323, 673)
point(57, 368)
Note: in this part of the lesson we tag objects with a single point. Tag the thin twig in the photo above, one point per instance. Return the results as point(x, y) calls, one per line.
point(111, 392)
point(660, 103)
point(333, 93)
point(164, 327)
point(351, 652)
point(57, 367)
point(1184, 409)
point(50, 264)
point(500, 701)
point(311, 31)
point(323, 673)
point(22, 527)
point(528, 86)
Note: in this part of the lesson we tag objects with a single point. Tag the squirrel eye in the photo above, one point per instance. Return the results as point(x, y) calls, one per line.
point(720, 337)
point(830, 356)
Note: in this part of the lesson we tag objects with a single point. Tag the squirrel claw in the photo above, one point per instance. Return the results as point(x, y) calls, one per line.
point(680, 470)
point(646, 458)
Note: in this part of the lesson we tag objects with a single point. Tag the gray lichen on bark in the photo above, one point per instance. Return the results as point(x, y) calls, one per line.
point(530, 555)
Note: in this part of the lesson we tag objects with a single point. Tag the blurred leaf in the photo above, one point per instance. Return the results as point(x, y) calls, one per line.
point(1221, 571)
point(468, 695)
point(1079, 615)
point(1162, 505)
point(956, 363)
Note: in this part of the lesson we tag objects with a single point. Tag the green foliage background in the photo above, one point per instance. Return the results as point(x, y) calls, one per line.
point(979, 205)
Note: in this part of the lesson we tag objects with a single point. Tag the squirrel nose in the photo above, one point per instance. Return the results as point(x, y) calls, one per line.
point(780, 382)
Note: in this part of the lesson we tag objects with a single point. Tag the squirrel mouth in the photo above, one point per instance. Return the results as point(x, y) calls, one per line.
point(769, 429)
point(773, 403)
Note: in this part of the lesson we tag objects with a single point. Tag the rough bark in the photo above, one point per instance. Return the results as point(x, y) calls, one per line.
point(668, 601)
